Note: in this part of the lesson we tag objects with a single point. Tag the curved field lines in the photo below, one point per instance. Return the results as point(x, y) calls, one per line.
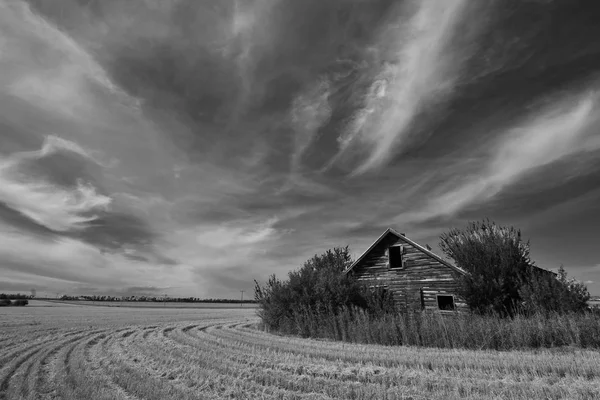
point(220, 355)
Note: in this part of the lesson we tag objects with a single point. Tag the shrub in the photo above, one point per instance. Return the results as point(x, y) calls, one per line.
point(502, 278)
point(550, 293)
point(497, 262)
point(4, 302)
point(318, 288)
point(20, 302)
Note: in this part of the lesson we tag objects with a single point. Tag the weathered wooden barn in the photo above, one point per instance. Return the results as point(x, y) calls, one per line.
point(418, 278)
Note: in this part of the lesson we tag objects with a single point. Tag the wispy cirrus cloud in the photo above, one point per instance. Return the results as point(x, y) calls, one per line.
point(310, 111)
point(225, 236)
point(558, 131)
point(229, 254)
point(57, 208)
point(420, 65)
point(53, 72)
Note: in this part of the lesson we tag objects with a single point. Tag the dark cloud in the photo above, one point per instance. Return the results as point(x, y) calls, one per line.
point(44, 269)
point(16, 219)
point(15, 137)
point(114, 230)
point(277, 129)
point(543, 189)
point(62, 168)
point(151, 258)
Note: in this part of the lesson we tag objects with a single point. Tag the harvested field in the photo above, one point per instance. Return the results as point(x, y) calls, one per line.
point(145, 304)
point(78, 352)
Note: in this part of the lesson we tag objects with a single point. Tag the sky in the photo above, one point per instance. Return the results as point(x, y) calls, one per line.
point(189, 147)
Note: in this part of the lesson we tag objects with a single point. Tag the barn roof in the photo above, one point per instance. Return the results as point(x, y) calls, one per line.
point(402, 237)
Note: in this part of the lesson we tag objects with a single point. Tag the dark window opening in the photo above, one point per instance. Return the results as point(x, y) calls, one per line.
point(445, 302)
point(395, 256)
point(422, 295)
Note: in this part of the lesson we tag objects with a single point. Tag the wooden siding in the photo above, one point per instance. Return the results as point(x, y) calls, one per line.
point(420, 272)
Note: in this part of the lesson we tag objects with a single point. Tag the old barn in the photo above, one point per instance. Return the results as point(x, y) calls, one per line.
point(418, 278)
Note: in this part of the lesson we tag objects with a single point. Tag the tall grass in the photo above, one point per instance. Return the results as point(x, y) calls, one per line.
point(452, 330)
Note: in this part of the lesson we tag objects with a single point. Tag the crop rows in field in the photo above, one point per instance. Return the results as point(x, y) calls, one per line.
point(150, 304)
point(228, 358)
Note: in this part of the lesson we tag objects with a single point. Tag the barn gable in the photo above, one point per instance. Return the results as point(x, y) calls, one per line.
point(418, 278)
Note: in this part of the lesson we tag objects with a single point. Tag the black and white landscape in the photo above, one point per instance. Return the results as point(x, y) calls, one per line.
point(185, 148)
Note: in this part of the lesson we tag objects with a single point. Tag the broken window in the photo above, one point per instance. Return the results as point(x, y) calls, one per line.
point(445, 302)
point(395, 257)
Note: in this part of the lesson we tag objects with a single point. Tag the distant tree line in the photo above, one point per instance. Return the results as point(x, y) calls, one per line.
point(17, 296)
point(151, 299)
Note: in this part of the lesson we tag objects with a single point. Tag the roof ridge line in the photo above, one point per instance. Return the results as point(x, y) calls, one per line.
point(403, 237)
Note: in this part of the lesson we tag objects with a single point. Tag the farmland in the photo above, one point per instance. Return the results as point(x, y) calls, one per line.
point(61, 351)
point(143, 304)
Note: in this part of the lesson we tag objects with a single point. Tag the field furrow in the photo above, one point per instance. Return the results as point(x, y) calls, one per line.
point(206, 363)
point(155, 354)
point(21, 372)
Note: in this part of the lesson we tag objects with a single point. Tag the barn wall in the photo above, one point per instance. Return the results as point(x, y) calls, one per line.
point(420, 272)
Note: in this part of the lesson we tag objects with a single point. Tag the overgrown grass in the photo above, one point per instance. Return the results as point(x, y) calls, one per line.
point(451, 330)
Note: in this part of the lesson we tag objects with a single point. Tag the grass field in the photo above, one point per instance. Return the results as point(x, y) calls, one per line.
point(66, 351)
point(145, 304)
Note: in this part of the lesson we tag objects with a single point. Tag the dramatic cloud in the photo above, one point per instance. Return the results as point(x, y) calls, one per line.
point(310, 110)
point(420, 64)
point(190, 147)
point(52, 71)
point(562, 130)
point(57, 208)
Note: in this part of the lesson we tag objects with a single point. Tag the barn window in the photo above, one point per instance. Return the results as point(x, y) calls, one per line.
point(445, 302)
point(395, 257)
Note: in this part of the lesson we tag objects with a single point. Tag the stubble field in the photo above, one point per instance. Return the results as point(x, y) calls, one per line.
point(79, 352)
point(143, 304)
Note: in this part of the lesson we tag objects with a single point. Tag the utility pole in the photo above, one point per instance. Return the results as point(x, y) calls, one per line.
point(242, 302)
